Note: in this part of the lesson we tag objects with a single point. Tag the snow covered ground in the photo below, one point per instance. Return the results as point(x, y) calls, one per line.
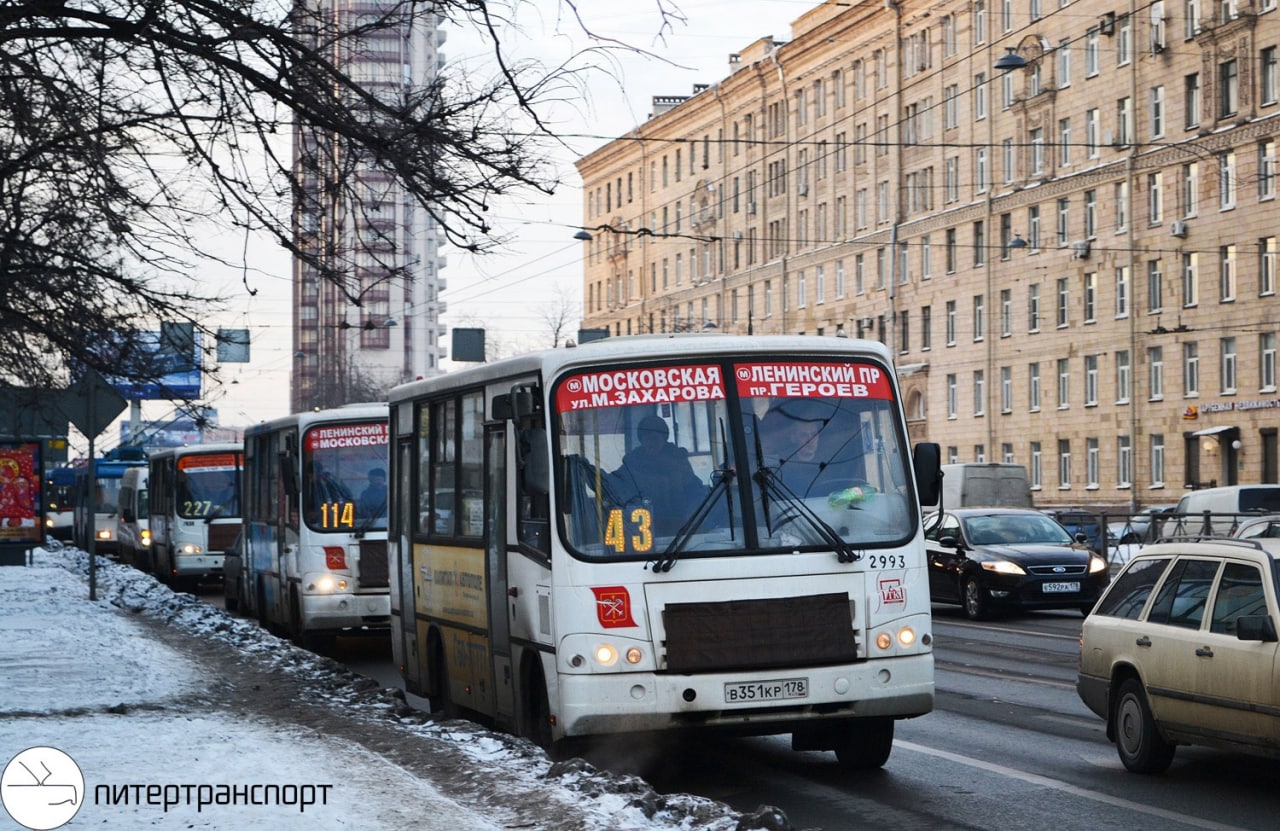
point(193, 718)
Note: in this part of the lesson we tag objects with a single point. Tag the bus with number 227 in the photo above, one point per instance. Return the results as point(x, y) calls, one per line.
point(656, 533)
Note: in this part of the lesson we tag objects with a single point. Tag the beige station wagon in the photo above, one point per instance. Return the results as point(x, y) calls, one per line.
point(1182, 649)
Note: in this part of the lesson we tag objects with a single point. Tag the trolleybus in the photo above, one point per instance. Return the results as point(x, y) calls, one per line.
point(551, 572)
point(315, 523)
point(194, 500)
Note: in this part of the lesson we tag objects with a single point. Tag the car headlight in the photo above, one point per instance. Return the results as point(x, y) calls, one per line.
point(1097, 564)
point(1003, 567)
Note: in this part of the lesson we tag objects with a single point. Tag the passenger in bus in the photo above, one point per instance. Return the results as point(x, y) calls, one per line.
point(373, 499)
point(659, 472)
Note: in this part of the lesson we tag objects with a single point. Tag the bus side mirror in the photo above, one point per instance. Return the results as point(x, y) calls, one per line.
point(926, 459)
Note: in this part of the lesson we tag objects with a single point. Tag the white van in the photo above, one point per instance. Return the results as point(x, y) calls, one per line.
point(1230, 501)
point(132, 525)
point(985, 485)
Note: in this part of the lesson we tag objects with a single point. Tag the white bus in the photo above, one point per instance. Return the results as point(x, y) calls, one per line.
point(315, 524)
point(194, 496)
point(132, 529)
point(546, 576)
point(96, 500)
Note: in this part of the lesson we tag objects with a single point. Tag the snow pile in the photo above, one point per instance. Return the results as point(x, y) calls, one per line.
point(501, 775)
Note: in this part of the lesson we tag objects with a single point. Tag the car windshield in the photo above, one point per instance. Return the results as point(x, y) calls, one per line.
point(669, 460)
point(1011, 529)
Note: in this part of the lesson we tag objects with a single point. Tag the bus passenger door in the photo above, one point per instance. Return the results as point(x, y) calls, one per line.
point(404, 650)
point(495, 550)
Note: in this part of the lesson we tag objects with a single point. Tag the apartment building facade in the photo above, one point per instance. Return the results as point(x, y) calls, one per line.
point(385, 328)
point(1074, 259)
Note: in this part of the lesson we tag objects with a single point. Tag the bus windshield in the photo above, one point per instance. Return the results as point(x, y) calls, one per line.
point(208, 486)
point(345, 482)
point(701, 459)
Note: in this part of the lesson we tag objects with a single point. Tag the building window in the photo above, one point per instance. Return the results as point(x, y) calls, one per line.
point(979, 96)
point(1090, 297)
point(1156, 111)
point(1227, 349)
point(979, 324)
point(1267, 266)
point(1064, 463)
point(1006, 312)
point(1124, 122)
point(1227, 180)
point(1155, 372)
point(1267, 362)
point(1062, 302)
point(1090, 214)
point(1191, 100)
point(1190, 279)
point(1033, 307)
point(926, 328)
point(1122, 291)
point(1269, 76)
point(1091, 133)
point(1091, 52)
point(1091, 380)
point(979, 393)
point(1155, 287)
point(953, 404)
point(1091, 463)
point(1037, 466)
point(980, 22)
point(1155, 198)
point(1124, 40)
point(980, 169)
point(1122, 205)
point(979, 243)
point(1124, 462)
point(951, 323)
point(1190, 189)
point(1124, 375)
point(1064, 383)
point(1033, 387)
point(1267, 169)
point(1037, 151)
point(1190, 369)
point(1064, 141)
point(1006, 389)
point(1227, 273)
point(1228, 89)
point(1064, 221)
point(1156, 445)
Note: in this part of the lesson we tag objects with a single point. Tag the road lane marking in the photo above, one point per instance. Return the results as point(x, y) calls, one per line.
point(965, 669)
point(1074, 790)
point(1024, 632)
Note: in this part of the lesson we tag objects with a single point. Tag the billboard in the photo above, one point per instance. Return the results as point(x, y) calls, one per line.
point(21, 512)
point(162, 365)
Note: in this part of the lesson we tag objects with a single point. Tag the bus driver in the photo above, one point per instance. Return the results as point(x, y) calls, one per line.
point(658, 471)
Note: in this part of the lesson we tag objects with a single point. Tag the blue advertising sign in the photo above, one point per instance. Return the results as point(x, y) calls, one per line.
point(159, 368)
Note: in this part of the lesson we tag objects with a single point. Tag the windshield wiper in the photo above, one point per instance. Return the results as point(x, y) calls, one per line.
point(676, 547)
point(773, 486)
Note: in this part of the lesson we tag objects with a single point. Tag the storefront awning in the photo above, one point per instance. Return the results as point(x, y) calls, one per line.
point(1213, 431)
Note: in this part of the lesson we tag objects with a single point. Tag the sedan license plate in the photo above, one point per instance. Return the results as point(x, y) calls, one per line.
point(737, 692)
point(1060, 588)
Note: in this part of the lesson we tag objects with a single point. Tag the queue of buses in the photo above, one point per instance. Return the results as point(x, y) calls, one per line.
point(517, 530)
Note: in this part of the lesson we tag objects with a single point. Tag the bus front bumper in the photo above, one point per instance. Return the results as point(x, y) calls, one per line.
point(339, 611)
point(900, 687)
point(197, 565)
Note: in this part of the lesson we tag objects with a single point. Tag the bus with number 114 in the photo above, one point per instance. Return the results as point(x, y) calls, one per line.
point(666, 533)
point(315, 524)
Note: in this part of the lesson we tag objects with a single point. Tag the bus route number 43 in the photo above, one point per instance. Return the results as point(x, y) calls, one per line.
point(635, 535)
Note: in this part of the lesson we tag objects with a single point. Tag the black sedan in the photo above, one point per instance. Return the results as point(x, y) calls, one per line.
point(1004, 558)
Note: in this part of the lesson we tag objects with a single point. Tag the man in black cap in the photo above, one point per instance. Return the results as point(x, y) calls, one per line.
point(659, 473)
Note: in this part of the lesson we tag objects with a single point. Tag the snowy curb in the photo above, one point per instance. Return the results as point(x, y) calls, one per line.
point(626, 801)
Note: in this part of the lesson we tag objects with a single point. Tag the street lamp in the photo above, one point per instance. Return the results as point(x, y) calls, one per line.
point(1010, 60)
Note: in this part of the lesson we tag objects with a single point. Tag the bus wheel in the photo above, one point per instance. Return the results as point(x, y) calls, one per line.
point(441, 697)
point(321, 643)
point(535, 711)
point(865, 743)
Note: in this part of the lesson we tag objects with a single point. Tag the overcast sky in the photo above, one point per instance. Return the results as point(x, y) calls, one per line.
point(506, 292)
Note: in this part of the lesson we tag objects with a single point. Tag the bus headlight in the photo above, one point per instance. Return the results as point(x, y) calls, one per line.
point(606, 655)
point(327, 583)
point(191, 548)
point(104, 535)
point(146, 538)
